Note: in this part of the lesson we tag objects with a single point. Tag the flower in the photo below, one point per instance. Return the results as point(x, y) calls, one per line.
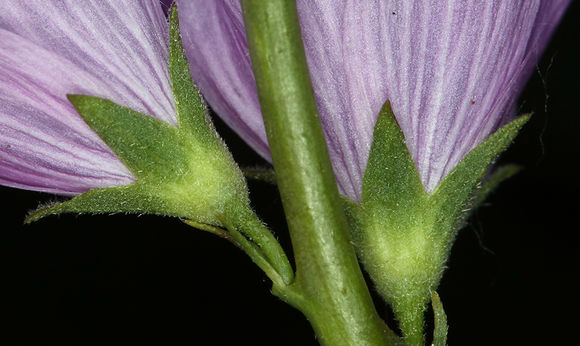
point(452, 71)
point(111, 49)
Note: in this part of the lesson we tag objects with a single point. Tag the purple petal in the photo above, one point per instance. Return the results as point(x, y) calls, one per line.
point(454, 70)
point(123, 43)
point(114, 50)
point(451, 69)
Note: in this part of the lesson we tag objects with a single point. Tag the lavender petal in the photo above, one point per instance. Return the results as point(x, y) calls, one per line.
point(451, 69)
point(113, 50)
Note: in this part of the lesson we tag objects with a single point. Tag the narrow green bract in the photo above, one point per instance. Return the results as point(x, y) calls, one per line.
point(403, 235)
point(440, 318)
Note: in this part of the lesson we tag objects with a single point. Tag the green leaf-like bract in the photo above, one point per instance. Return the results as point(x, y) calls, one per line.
point(440, 318)
point(402, 234)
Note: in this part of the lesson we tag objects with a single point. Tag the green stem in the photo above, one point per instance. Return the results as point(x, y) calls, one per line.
point(276, 270)
point(251, 226)
point(329, 287)
point(247, 232)
point(411, 321)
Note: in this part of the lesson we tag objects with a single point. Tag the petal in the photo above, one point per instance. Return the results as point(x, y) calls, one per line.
point(44, 144)
point(123, 43)
point(114, 50)
point(451, 69)
point(344, 51)
point(454, 70)
point(215, 43)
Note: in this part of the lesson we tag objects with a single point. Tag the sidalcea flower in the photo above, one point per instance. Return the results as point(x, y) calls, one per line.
point(116, 50)
point(98, 97)
point(452, 71)
point(97, 100)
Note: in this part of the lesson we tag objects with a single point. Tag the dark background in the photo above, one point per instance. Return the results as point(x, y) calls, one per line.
point(512, 276)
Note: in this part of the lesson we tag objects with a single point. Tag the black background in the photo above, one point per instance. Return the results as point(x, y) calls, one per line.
point(512, 276)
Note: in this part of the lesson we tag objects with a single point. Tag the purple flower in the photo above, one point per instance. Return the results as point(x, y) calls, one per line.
point(111, 49)
point(452, 71)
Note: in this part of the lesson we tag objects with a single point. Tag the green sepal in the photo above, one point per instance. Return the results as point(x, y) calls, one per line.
point(133, 198)
point(191, 110)
point(404, 234)
point(150, 148)
point(392, 241)
point(391, 184)
point(452, 196)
